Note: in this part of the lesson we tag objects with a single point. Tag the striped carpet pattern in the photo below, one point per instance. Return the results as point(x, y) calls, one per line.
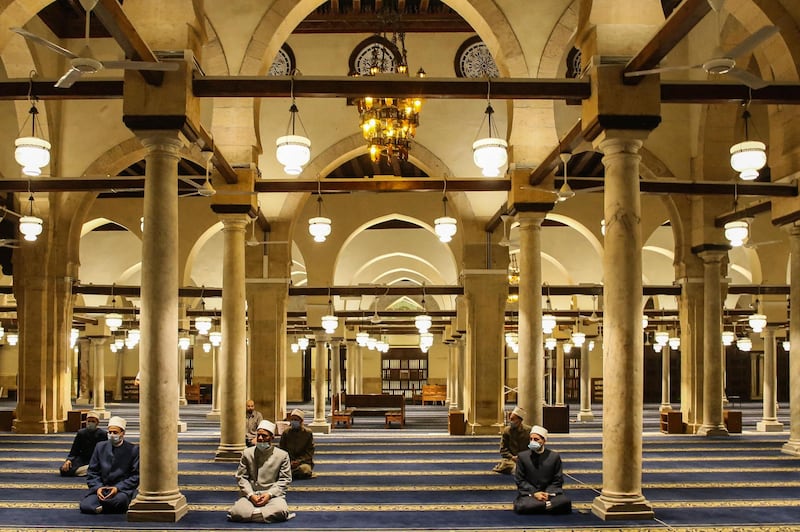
point(420, 478)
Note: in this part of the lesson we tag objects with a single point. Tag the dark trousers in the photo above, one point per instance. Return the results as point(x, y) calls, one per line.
point(118, 504)
point(75, 465)
point(560, 504)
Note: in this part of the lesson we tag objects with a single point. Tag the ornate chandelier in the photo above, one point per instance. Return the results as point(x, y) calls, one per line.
point(388, 123)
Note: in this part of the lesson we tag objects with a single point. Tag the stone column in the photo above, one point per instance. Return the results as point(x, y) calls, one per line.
point(182, 377)
point(320, 424)
point(99, 377)
point(118, 380)
point(560, 375)
point(691, 305)
point(665, 402)
point(462, 353)
point(713, 424)
point(452, 381)
point(769, 422)
point(621, 497)
point(84, 346)
point(159, 497)
point(359, 373)
point(530, 359)
point(486, 292)
point(233, 375)
point(213, 414)
point(585, 413)
point(336, 376)
point(793, 445)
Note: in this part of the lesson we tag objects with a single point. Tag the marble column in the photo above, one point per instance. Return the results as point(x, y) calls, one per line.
point(452, 381)
point(99, 377)
point(713, 423)
point(320, 424)
point(84, 372)
point(461, 356)
point(213, 414)
point(159, 498)
point(182, 377)
point(233, 352)
point(359, 373)
point(793, 445)
point(336, 376)
point(585, 413)
point(560, 375)
point(621, 496)
point(665, 382)
point(769, 422)
point(691, 305)
point(118, 378)
point(530, 359)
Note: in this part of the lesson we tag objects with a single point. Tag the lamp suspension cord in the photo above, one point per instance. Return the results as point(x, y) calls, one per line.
point(489, 108)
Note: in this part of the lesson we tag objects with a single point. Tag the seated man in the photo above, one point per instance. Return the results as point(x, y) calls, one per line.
point(113, 474)
point(252, 419)
point(77, 462)
point(263, 475)
point(298, 441)
point(514, 440)
point(539, 478)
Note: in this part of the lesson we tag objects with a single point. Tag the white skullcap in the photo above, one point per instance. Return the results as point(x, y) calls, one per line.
point(117, 421)
point(541, 431)
point(269, 426)
point(92, 413)
point(519, 412)
point(297, 412)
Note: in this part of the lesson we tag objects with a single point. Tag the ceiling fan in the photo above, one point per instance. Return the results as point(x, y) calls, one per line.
point(724, 62)
point(253, 241)
point(84, 62)
point(506, 241)
point(9, 243)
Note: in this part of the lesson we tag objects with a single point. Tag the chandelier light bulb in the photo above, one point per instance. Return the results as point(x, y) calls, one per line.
point(426, 339)
point(206, 347)
point(294, 347)
point(737, 232)
point(550, 343)
point(423, 322)
point(361, 338)
point(567, 347)
point(786, 345)
point(748, 158)
point(728, 337)
point(113, 321)
point(662, 338)
point(215, 337)
point(293, 152)
point(445, 228)
point(319, 227)
point(32, 153)
point(578, 339)
point(30, 227)
point(184, 342)
point(548, 323)
point(674, 343)
point(303, 343)
point(12, 338)
point(330, 323)
point(119, 342)
point(658, 347)
point(744, 344)
point(757, 322)
point(490, 155)
point(202, 324)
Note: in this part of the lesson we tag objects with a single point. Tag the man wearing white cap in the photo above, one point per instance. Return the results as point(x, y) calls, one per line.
point(77, 462)
point(298, 441)
point(539, 478)
point(113, 474)
point(513, 441)
point(263, 475)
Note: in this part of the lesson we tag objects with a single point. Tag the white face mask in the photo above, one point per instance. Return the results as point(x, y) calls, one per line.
point(534, 446)
point(263, 445)
point(115, 439)
point(91, 425)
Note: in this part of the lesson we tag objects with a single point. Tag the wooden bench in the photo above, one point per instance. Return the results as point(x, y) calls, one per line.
point(374, 404)
point(434, 393)
point(394, 417)
point(339, 414)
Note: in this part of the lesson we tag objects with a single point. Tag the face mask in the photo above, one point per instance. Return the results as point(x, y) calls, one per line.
point(263, 445)
point(91, 425)
point(115, 439)
point(534, 446)
point(514, 423)
point(295, 424)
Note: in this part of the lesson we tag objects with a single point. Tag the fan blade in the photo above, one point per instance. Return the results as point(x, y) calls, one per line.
point(659, 70)
point(752, 42)
point(68, 79)
point(751, 80)
point(140, 65)
point(44, 42)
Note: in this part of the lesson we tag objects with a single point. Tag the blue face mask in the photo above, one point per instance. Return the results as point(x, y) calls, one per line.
point(263, 445)
point(534, 446)
point(295, 424)
point(91, 425)
point(115, 439)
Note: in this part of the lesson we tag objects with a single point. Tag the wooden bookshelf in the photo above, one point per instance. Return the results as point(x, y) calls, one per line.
point(671, 423)
point(403, 372)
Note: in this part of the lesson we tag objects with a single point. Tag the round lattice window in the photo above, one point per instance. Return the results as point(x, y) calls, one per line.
point(283, 65)
point(375, 51)
point(473, 60)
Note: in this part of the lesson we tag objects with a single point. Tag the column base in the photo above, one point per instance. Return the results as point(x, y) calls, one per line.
point(476, 429)
point(585, 415)
point(769, 426)
point(614, 508)
point(19, 426)
point(213, 415)
point(182, 402)
point(791, 447)
point(102, 413)
point(182, 427)
point(712, 430)
point(229, 453)
point(665, 407)
point(320, 427)
point(158, 510)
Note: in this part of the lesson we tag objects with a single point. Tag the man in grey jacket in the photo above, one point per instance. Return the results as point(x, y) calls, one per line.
point(264, 473)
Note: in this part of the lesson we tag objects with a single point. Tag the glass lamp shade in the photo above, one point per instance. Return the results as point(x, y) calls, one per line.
point(548, 323)
point(757, 322)
point(567, 347)
point(114, 321)
point(382, 346)
point(748, 158)
point(215, 337)
point(786, 345)
point(294, 347)
point(303, 343)
point(744, 344)
point(662, 337)
point(424, 348)
point(32, 153)
point(737, 232)
point(578, 339)
point(361, 338)
point(423, 322)
point(206, 347)
point(371, 342)
point(134, 335)
point(658, 347)
point(550, 343)
point(319, 227)
point(445, 228)
point(645, 321)
point(202, 324)
point(119, 342)
point(426, 339)
point(512, 338)
point(184, 342)
point(330, 322)
point(12, 338)
point(130, 344)
point(293, 152)
point(490, 154)
point(113, 348)
point(674, 342)
point(728, 337)
point(30, 227)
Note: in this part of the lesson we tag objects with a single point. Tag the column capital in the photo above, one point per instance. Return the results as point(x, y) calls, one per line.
point(530, 219)
point(620, 141)
point(166, 140)
point(234, 221)
point(711, 252)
